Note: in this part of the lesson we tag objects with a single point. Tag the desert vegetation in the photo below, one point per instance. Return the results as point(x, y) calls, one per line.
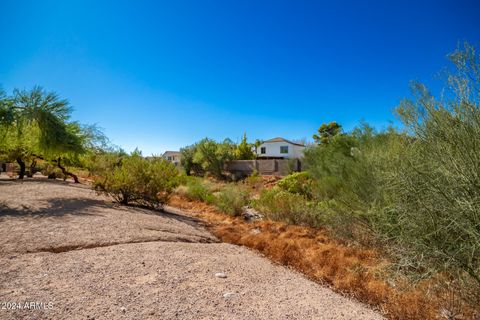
point(209, 157)
point(390, 216)
point(134, 179)
point(410, 193)
point(35, 126)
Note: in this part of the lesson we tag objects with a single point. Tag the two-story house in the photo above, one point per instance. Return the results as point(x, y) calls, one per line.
point(280, 148)
point(172, 156)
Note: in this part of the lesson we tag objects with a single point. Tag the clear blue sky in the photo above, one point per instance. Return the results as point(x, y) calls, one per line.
point(163, 74)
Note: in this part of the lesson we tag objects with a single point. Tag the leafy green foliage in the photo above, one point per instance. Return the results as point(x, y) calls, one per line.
point(244, 150)
point(187, 162)
point(99, 162)
point(211, 156)
point(280, 205)
point(254, 180)
point(299, 183)
point(435, 188)
point(420, 190)
point(326, 132)
point(198, 190)
point(207, 156)
point(140, 181)
point(231, 199)
point(35, 124)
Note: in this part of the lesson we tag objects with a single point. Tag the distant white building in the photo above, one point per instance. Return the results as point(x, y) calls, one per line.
point(173, 157)
point(280, 148)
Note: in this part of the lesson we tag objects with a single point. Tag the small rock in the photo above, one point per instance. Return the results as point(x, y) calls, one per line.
point(255, 231)
point(123, 309)
point(220, 275)
point(250, 214)
point(229, 295)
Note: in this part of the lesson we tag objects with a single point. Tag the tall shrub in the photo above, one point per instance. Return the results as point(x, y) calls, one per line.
point(436, 186)
point(138, 180)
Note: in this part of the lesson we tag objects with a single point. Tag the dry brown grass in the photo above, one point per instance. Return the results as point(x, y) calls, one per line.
point(358, 272)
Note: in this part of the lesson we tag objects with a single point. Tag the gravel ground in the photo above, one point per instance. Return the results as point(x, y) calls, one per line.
point(86, 258)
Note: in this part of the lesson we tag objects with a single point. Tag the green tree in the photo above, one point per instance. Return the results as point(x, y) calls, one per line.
point(35, 124)
point(187, 162)
point(135, 179)
point(257, 144)
point(436, 184)
point(211, 156)
point(244, 150)
point(326, 132)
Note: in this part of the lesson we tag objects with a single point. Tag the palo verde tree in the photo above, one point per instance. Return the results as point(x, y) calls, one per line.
point(436, 184)
point(35, 124)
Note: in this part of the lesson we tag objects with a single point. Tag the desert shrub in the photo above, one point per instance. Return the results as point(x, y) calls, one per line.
point(298, 182)
point(243, 150)
point(208, 157)
point(231, 199)
point(99, 162)
point(280, 205)
point(352, 167)
point(140, 181)
point(435, 187)
point(187, 163)
point(211, 156)
point(418, 190)
point(254, 180)
point(198, 189)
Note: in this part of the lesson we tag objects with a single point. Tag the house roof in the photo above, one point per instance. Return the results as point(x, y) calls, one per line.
point(279, 139)
point(171, 153)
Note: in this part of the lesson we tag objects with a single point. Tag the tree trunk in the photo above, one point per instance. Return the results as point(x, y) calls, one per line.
point(20, 162)
point(66, 173)
point(32, 168)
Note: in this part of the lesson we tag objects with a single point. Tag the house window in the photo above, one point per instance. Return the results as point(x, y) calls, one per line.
point(169, 158)
point(263, 150)
point(283, 149)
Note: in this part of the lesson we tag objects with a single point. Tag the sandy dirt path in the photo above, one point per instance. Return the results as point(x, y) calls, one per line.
point(78, 256)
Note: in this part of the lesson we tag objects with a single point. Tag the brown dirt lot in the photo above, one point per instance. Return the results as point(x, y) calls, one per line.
point(90, 259)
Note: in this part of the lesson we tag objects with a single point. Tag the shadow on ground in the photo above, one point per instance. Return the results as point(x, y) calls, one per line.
point(55, 207)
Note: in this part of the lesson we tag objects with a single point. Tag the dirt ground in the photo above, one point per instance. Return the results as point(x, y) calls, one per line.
point(67, 253)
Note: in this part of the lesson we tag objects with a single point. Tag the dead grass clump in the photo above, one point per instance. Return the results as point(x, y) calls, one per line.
point(352, 270)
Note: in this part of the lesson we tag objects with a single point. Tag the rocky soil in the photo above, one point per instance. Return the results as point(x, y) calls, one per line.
point(77, 255)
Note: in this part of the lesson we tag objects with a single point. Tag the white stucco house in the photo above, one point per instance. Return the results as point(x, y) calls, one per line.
point(280, 148)
point(172, 156)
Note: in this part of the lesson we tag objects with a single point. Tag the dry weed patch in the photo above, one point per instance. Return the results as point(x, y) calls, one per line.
point(347, 269)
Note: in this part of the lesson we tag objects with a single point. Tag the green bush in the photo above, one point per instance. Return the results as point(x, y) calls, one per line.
point(195, 188)
point(352, 168)
point(298, 182)
point(231, 199)
point(199, 190)
point(254, 180)
point(212, 156)
point(418, 190)
point(140, 181)
point(280, 205)
point(435, 187)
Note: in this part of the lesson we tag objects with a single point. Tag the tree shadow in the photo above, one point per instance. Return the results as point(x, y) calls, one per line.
point(81, 206)
point(56, 207)
point(6, 181)
point(165, 212)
